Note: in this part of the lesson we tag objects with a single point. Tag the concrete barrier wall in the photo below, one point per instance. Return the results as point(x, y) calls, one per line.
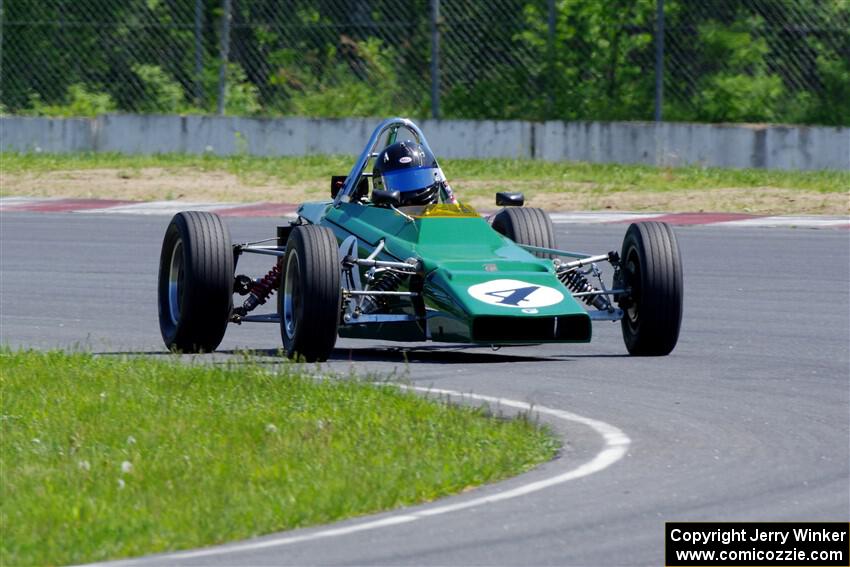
point(46, 134)
point(667, 143)
point(672, 143)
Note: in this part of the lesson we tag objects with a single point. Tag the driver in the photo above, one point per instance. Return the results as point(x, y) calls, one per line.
point(411, 169)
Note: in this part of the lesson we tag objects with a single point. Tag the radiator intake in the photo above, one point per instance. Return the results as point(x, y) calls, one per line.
point(497, 328)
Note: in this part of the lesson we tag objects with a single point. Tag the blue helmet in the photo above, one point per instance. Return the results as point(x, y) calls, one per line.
point(411, 169)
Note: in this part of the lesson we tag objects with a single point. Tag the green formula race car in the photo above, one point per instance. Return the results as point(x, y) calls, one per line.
point(393, 256)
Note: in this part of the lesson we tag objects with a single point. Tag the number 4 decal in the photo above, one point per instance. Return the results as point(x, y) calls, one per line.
point(513, 296)
point(515, 293)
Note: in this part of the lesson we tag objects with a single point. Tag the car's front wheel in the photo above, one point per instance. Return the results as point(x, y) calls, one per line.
point(526, 226)
point(310, 295)
point(195, 282)
point(651, 269)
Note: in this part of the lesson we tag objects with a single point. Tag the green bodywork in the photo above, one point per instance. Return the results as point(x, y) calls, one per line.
point(457, 249)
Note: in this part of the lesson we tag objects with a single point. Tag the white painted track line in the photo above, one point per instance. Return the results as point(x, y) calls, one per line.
point(589, 218)
point(616, 444)
point(19, 200)
point(161, 208)
point(789, 221)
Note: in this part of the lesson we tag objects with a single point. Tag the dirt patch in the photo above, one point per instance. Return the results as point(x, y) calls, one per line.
point(759, 200)
point(192, 184)
point(588, 196)
point(156, 184)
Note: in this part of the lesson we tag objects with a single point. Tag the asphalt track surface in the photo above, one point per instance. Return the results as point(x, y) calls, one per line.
point(747, 419)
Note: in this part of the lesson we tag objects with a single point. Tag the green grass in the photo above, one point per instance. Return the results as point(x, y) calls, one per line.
point(625, 177)
point(106, 457)
point(287, 170)
point(546, 176)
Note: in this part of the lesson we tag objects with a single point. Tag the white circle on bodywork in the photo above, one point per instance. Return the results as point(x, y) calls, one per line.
point(515, 293)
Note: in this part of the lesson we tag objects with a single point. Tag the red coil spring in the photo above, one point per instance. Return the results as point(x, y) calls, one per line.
point(265, 286)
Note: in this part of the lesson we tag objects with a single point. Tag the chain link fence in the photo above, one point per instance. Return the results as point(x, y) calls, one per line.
point(713, 60)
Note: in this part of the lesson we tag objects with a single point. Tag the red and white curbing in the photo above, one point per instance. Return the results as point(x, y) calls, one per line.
point(161, 208)
point(169, 208)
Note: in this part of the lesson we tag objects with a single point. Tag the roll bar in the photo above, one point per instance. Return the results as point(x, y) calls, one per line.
point(391, 125)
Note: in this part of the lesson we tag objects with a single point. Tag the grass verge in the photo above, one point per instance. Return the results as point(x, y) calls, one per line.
point(104, 457)
point(554, 185)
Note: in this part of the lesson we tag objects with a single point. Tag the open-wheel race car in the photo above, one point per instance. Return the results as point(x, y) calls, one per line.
point(393, 256)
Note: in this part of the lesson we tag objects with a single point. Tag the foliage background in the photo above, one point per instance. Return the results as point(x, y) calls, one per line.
point(724, 60)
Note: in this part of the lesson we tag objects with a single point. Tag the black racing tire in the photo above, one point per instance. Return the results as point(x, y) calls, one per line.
point(309, 302)
point(195, 282)
point(527, 226)
point(651, 266)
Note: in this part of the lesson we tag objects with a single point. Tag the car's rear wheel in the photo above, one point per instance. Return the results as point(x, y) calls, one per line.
point(310, 295)
point(651, 268)
point(526, 226)
point(195, 282)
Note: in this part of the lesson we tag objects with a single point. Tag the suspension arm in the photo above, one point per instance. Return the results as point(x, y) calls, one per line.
point(278, 251)
point(574, 279)
point(403, 266)
point(599, 292)
point(611, 257)
point(371, 292)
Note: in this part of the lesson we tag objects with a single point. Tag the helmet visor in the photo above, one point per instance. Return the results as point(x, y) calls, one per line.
point(411, 179)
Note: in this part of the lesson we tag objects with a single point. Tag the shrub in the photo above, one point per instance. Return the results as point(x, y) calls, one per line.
point(80, 101)
point(160, 92)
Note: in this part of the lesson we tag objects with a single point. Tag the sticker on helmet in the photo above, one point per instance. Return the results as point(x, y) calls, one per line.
point(515, 293)
point(405, 159)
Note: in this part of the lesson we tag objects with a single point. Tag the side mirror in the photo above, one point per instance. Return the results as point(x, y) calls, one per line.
point(337, 181)
point(509, 199)
point(386, 198)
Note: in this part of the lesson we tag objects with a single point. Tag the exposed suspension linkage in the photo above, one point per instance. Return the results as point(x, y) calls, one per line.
point(575, 279)
point(364, 301)
point(576, 282)
point(258, 291)
point(383, 282)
